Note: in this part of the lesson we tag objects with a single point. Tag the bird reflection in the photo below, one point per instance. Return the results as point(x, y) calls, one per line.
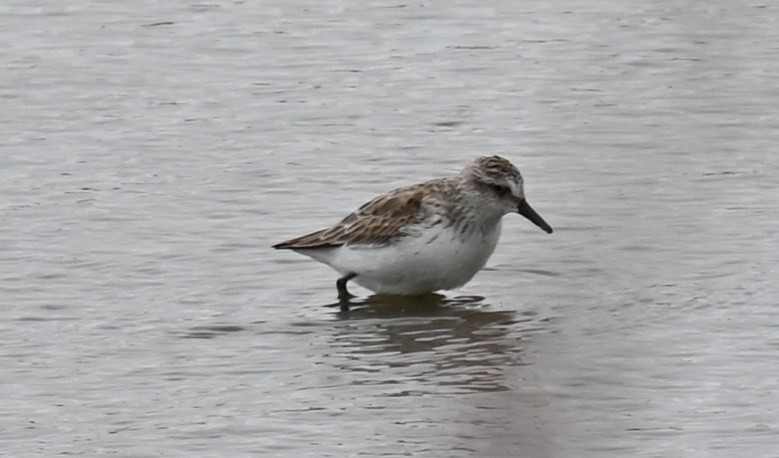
point(381, 305)
point(409, 343)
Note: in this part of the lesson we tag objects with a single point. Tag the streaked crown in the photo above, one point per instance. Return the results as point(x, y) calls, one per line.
point(496, 171)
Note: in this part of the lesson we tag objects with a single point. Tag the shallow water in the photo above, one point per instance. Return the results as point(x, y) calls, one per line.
point(153, 151)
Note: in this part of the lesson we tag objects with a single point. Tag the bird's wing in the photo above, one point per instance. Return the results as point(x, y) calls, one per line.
point(377, 222)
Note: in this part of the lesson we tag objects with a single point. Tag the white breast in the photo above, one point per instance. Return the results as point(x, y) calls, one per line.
point(437, 258)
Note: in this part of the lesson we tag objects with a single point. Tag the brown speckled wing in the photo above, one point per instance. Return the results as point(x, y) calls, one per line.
point(375, 223)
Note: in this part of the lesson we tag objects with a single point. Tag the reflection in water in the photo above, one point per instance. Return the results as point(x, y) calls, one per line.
point(418, 345)
point(211, 331)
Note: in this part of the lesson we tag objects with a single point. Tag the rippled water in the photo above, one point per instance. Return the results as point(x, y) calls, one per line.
point(153, 151)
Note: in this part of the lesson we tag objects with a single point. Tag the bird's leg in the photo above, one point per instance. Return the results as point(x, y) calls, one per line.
point(343, 294)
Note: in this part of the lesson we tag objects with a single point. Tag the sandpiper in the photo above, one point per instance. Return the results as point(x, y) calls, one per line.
point(424, 237)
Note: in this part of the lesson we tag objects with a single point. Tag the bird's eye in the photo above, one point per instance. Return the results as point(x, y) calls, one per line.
point(501, 191)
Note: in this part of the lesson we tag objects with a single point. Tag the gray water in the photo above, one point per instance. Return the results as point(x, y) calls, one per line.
point(151, 152)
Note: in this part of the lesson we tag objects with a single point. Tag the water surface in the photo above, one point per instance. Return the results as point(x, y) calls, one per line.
point(153, 151)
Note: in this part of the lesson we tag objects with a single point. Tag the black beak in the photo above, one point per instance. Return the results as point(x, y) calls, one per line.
point(527, 211)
